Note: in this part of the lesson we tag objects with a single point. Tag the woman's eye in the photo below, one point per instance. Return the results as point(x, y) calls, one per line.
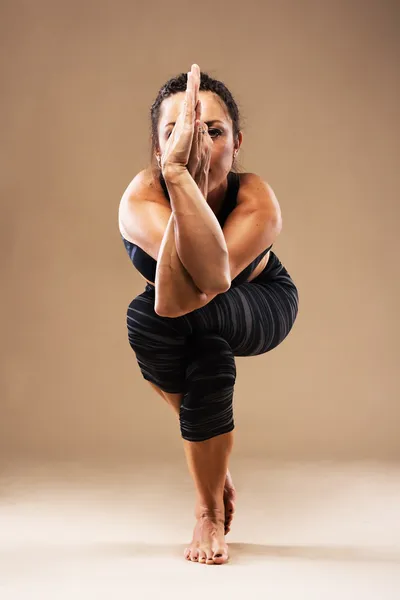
point(216, 133)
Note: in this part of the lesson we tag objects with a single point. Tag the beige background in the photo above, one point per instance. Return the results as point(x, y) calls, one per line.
point(318, 84)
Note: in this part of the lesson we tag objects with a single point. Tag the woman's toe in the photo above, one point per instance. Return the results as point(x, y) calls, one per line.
point(210, 560)
point(220, 557)
point(194, 555)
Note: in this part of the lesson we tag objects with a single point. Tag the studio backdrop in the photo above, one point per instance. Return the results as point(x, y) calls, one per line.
point(318, 89)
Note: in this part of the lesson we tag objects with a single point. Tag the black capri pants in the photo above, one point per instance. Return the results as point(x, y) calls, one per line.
point(195, 354)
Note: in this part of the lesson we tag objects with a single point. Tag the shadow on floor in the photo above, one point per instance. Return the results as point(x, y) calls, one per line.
point(240, 553)
point(243, 552)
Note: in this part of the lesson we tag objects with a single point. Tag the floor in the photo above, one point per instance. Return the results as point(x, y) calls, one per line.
point(302, 530)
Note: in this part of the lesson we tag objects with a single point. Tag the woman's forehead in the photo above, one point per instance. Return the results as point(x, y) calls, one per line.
point(212, 108)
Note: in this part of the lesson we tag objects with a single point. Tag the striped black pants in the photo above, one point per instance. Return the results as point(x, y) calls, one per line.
point(195, 354)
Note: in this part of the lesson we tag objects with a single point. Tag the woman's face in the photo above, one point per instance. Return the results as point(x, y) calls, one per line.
point(219, 124)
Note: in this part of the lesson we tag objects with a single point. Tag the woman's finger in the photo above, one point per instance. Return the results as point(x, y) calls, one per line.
point(189, 98)
point(199, 139)
point(196, 86)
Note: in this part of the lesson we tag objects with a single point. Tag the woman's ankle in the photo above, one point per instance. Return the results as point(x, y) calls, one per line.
point(211, 509)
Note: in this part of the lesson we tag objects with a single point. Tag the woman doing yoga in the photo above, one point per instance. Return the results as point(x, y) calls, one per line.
point(201, 235)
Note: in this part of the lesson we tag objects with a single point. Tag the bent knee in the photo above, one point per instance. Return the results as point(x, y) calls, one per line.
point(211, 366)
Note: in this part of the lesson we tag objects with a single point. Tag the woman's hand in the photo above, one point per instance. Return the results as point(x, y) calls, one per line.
point(200, 153)
point(179, 143)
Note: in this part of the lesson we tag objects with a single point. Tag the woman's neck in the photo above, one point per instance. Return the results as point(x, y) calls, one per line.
point(216, 197)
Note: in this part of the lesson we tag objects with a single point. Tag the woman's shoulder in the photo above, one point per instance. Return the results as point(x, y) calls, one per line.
point(250, 178)
point(255, 190)
point(141, 190)
point(145, 186)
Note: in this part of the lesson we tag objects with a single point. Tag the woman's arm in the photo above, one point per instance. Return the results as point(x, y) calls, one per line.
point(176, 293)
point(200, 242)
point(147, 222)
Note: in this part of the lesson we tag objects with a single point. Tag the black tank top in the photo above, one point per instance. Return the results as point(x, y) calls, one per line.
point(146, 265)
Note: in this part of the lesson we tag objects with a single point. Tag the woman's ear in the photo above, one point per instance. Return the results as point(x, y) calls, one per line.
point(238, 142)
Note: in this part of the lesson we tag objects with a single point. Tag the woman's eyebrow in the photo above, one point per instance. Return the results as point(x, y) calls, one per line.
point(207, 122)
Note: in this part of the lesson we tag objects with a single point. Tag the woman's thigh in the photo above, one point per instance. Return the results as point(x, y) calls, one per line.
point(255, 316)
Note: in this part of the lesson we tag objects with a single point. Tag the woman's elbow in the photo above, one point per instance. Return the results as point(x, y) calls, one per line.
point(219, 287)
point(160, 311)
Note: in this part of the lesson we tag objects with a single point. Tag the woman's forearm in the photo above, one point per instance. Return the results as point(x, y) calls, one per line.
point(200, 242)
point(176, 294)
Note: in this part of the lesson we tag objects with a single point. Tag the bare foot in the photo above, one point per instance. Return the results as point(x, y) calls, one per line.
point(229, 501)
point(208, 544)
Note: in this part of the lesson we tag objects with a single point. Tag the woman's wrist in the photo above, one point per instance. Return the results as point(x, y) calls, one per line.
point(173, 172)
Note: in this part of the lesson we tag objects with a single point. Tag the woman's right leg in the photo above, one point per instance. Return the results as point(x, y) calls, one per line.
point(229, 496)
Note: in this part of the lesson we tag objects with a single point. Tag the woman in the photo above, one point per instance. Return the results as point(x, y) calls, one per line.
point(201, 234)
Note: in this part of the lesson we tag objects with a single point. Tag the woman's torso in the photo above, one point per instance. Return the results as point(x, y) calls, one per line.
point(257, 270)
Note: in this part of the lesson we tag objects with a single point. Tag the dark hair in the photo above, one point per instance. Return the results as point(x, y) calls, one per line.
point(178, 84)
